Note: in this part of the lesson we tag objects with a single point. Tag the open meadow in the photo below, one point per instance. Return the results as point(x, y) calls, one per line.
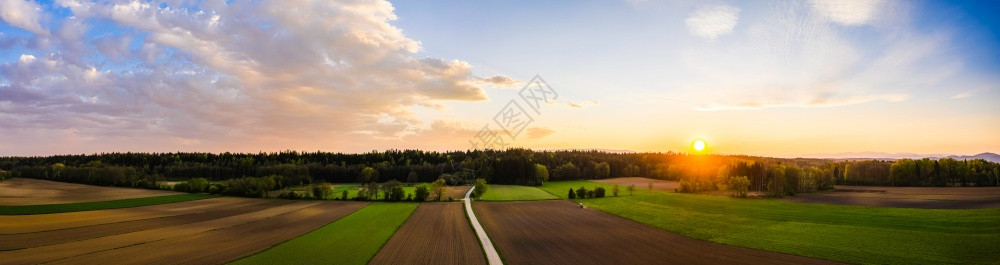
point(907, 197)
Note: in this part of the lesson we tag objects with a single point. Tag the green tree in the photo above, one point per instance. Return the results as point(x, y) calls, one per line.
point(739, 185)
point(321, 190)
point(615, 190)
point(481, 188)
point(631, 190)
point(411, 178)
point(602, 170)
point(541, 174)
point(581, 193)
point(599, 192)
point(572, 194)
point(368, 175)
point(437, 187)
point(421, 193)
point(566, 171)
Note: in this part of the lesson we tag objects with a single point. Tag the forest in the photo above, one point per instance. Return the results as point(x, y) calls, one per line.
point(511, 166)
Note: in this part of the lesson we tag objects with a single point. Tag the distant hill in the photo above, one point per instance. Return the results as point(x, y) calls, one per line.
point(985, 156)
point(992, 157)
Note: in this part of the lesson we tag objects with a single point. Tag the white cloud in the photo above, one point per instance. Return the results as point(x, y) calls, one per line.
point(23, 14)
point(847, 12)
point(232, 74)
point(712, 21)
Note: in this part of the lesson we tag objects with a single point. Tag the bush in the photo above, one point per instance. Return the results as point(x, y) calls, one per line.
point(198, 184)
point(322, 190)
point(572, 195)
point(481, 188)
point(599, 192)
point(581, 193)
point(590, 193)
point(291, 195)
point(739, 185)
point(343, 195)
point(421, 193)
point(182, 187)
point(615, 190)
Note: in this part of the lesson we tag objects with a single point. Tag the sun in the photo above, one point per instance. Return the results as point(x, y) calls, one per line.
point(699, 145)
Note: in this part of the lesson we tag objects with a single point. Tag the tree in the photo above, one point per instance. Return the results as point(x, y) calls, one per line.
point(411, 178)
point(322, 190)
point(368, 175)
point(343, 195)
point(421, 193)
point(631, 171)
point(437, 187)
point(481, 188)
point(602, 170)
point(197, 184)
point(393, 190)
point(739, 186)
point(615, 189)
point(581, 193)
point(566, 171)
point(541, 174)
point(631, 190)
point(650, 185)
point(572, 194)
point(599, 192)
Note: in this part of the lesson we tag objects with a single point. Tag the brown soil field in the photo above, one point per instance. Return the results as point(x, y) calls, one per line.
point(643, 183)
point(455, 192)
point(24, 191)
point(907, 197)
point(45, 238)
point(436, 233)
point(71, 249)
point(559, 232)
point(16, 224)
point(227, 244)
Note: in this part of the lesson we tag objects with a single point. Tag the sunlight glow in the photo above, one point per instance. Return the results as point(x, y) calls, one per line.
point(699, 145)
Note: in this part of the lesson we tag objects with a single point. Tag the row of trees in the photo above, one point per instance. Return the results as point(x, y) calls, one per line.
point(511, 166)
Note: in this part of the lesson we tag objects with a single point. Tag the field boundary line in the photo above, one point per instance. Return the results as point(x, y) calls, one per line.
point(491, 253)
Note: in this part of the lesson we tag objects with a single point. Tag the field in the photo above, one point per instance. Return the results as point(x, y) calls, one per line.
point(642, 183)
point(354, 239)
point(561, 188)
point(853, 234)
point(436, 233)
point(514, 193)
point(907, 197)
point(175, 233)
point(99, 205)
point(559, 232)
point(26, 191)
point(454, 192)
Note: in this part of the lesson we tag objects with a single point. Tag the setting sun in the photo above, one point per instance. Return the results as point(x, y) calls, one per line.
point(699, 145)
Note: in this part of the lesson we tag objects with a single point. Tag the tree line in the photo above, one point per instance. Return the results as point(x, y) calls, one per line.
point(249, 173)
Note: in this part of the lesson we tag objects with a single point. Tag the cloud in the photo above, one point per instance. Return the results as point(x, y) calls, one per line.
point(583, 104)
point(847, 12)
point(23, 14)
point(227, 75)
point(712, 21)
point(793, 57)
point(538, 132)
point(500, 80)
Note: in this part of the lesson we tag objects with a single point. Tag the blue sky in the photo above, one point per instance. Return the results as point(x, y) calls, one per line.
point(784, 78)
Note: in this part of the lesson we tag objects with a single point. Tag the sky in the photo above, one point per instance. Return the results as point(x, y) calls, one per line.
point(773, 78)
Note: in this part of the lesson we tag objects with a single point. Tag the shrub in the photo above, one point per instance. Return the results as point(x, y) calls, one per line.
point(581, 193)
point(481, 188)
point(572, 194)
point(739, 186)
point(322, 190)
point(343, 195)
point(182, 187)
point(631, 190)
point(198, 184)
point(615, 190)
point(599, 192)
point(590, 193)
point(421, 193)
point(291, 195)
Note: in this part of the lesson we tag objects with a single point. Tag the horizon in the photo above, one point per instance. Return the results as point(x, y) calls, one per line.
point(785, 79)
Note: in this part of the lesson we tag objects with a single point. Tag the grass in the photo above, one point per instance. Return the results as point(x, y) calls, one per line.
point(515, 193)
point(90, 206)
point(852, 234)
point(561, 188)
point(353, 239)
point(352, 191)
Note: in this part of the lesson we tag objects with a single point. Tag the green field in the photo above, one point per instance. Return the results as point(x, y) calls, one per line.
point(515, 193)
point(354, 239)
point(90, 206)
point(853, 234)
point(352, 191)
point(561, 188)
